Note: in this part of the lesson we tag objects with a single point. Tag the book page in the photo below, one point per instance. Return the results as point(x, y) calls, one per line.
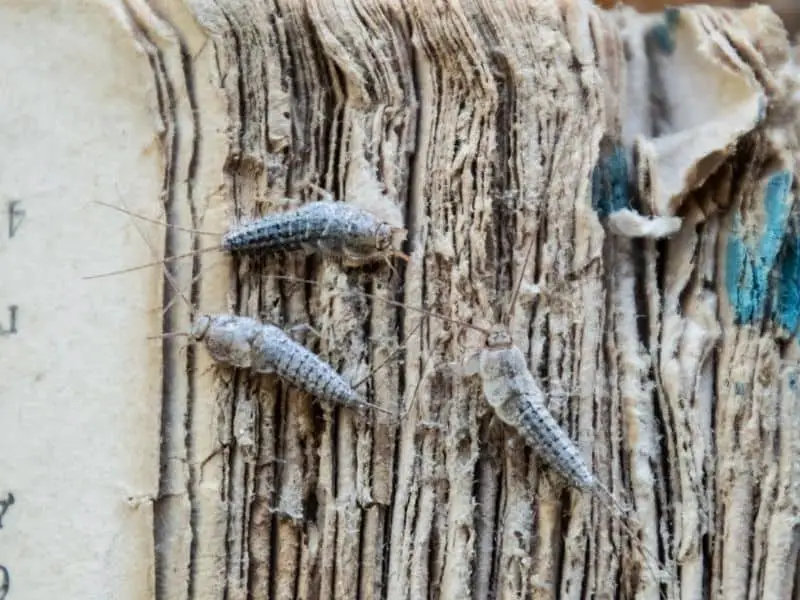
point(80, 389)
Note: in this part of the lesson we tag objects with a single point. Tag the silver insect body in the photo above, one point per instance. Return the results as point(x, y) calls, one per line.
point(246, 343)
point(511, 390)
point(334, 228)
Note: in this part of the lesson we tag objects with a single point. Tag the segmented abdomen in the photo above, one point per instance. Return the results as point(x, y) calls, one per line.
point(323, 225)
point(274, 351)
point(552, 444)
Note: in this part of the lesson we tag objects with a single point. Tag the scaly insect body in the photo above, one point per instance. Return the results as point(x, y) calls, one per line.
point(337, 229)
point(512, 392)
point(332, 228)
point(245, 343)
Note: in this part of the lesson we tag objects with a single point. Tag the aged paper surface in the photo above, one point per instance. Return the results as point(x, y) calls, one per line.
point(647, 162)
point(80, 390)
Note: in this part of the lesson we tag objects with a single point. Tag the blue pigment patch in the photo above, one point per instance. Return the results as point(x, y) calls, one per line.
point(750, 261)
point(662, 34)
point(672, 16)
point(610, 184)
point(787, 304)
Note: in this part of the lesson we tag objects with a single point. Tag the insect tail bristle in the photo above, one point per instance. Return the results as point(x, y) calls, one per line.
point(375, 407)
point(154, 221)
point(157, 263)
point(169, 275)
point(611, 503)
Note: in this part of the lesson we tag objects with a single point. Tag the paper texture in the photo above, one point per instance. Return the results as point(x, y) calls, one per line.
point(80, 390)
point(632, 177)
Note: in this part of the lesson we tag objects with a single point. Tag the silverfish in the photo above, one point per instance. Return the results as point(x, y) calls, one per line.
point(512, 392)
point(337, 229)
point(246, 343)
point(515, 397)
point(333, 228)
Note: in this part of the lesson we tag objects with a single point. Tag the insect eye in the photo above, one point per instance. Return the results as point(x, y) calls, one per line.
point(384, 238)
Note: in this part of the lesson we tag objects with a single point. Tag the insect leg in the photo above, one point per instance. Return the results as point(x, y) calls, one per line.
point(320, 191)
point(301, 329)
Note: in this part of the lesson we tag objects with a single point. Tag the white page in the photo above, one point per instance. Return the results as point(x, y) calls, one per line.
point(80, 385)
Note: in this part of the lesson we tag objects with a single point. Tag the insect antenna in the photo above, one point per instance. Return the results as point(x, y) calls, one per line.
point(509, 312)
point(396, 231)
point(180, 295)
point(175, 334)
point(395, 254)
point(606, 498)
point(423, 374)
point(170, 278)
point(398, 254)
point(217, 247)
